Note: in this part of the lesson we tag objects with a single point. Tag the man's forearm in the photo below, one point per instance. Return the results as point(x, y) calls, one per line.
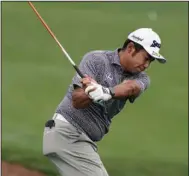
point(79, 99)
point(126, 89)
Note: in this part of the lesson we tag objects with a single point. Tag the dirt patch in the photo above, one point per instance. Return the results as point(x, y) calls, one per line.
point(17, 170)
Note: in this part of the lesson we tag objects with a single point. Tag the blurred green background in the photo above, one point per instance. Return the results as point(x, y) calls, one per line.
point(149, 137)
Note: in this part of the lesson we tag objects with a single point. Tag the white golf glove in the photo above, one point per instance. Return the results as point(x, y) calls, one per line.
point(100, 92)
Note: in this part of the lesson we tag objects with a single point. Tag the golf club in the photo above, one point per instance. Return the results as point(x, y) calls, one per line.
point(52, 34)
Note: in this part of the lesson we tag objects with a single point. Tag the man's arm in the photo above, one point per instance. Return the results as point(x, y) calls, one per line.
point(127, 89)
point(90, 65)
point(79, 99)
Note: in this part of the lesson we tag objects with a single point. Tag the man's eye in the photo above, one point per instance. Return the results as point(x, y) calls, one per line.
point(150, 59)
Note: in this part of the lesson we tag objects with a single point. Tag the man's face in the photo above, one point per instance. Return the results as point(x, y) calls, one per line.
point(136, 61)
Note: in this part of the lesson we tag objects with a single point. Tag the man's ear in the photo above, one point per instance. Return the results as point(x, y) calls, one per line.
point(130, 47)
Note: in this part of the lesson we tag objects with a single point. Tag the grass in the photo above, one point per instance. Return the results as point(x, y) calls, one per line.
point(148, 138)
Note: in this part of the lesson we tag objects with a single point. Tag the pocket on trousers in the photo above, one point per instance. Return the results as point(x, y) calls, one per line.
point(49, 143)
point(67, 131)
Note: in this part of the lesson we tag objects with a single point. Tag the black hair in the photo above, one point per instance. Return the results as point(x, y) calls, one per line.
point(137, 46)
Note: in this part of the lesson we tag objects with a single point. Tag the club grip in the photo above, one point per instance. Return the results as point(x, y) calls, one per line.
point(78, 71)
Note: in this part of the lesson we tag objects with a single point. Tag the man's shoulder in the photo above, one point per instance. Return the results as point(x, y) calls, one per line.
point(96, 55)
point(142, 76)
point(143, 73)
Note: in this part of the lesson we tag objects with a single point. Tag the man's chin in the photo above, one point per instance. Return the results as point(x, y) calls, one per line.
point(134, 71)
point(138, 70)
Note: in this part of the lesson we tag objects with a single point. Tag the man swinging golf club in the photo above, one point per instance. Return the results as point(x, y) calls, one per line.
point(85, 113)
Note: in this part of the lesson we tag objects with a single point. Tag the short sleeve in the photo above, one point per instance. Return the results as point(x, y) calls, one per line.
point(144, 81)
point(90, 65)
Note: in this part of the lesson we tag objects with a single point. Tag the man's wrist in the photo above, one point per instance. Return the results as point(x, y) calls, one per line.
point(112, 92)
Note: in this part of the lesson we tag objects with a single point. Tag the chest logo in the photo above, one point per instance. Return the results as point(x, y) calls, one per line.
point(109, 76)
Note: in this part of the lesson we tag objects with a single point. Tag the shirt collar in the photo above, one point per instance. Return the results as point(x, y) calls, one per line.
point(115, 57)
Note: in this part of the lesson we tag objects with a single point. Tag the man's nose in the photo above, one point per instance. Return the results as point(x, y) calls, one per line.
point(146, 65)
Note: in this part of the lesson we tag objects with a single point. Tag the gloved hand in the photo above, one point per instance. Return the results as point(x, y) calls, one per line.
point(97, 92)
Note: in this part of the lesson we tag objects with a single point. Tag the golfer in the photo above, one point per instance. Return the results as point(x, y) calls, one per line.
point(83, 117)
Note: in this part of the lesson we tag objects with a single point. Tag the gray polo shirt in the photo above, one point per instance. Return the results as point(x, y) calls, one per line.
point(105, 68)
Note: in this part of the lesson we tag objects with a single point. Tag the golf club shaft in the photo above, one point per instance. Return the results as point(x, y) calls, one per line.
point(52, 34)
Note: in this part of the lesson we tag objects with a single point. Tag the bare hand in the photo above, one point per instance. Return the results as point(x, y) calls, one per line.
point(87, 81)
